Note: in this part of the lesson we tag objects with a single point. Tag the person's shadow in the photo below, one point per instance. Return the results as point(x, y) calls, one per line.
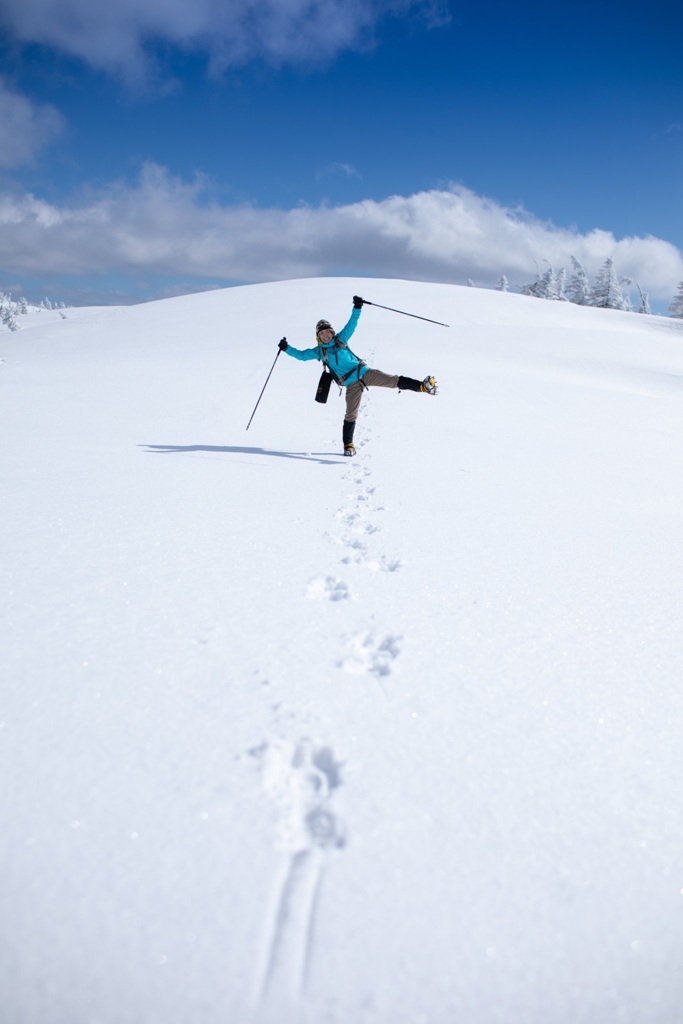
point(185, 449)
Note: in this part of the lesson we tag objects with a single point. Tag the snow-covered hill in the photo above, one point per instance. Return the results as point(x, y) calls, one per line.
point(297, 739)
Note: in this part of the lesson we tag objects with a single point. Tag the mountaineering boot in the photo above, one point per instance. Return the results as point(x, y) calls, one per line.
point(428, 385)
point(347, 437)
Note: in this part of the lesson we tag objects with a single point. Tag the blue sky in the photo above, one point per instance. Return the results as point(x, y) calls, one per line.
point(156, 148)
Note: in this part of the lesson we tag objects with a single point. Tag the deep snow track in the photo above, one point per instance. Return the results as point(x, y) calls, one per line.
point(299, 739)
point(301, 778)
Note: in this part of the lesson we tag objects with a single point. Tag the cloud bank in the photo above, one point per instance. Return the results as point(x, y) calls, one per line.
point(120, 37)
point(165, 226)
point(25, 128)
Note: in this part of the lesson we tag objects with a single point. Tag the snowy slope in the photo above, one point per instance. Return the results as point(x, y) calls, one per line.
point(291, 739)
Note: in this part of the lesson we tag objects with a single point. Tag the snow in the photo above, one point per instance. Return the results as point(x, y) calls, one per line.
point(288, 738)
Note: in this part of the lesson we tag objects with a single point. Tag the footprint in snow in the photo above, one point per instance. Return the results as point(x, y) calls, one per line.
point(384, 564)
point(367, 654)
point(355, 544)
point(356, 523)
point(300, 780)
point(349, 518)
point(328, 588)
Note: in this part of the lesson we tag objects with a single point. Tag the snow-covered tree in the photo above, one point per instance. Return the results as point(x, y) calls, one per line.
point(503, 284)
point(8, 318)
point(533, 289)
point(549, 282)
point(578, 289)
point(546, 286)
point(626, 283)
point(644, 301)
point(607, 293)
point(538, 288)
point(676, 307)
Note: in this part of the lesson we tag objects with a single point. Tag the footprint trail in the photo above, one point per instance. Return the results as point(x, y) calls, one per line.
point(300, 780)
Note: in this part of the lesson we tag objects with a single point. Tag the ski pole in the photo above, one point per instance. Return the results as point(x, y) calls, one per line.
point(368, 303)
point(279, 352)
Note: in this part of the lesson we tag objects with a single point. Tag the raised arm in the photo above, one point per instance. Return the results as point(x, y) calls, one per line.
point(348, 329)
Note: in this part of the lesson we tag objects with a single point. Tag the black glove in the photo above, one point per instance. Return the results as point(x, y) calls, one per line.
point(357, 302)
point(283, 345)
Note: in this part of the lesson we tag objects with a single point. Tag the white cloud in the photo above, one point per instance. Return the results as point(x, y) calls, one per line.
point(348, 169)
point(24, 127)
point(116, 37)
point(336, 169)
point(165, 226)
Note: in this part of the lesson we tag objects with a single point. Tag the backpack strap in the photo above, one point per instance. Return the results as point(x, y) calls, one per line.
point(356, 369)
point(323, 357)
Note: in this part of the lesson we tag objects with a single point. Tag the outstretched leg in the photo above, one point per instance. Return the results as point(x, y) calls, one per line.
point(408, 384)
point(428, 385)
point(376, 379)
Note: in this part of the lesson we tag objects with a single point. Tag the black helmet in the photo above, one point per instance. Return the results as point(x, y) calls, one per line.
point(323, 325)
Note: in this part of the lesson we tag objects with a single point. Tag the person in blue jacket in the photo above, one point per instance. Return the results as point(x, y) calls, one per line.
point(350, 372)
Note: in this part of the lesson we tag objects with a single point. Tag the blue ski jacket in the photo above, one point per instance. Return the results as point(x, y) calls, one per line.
point(346, 367)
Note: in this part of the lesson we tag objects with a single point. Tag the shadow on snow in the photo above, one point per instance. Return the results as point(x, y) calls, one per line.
point(185, 449)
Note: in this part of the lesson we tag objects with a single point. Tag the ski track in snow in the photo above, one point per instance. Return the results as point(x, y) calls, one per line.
point(300, 778)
